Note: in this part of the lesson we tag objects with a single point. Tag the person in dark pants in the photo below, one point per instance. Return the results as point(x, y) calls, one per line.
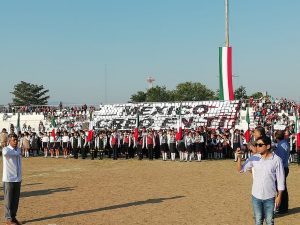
point(102, 143)
point(12, 177)
point(150, 143)
point(139, 146)
point(114, 144)
point(126, 144)
point(81, 145)
point(283, 150)
point(157, 145)
point(74, 144)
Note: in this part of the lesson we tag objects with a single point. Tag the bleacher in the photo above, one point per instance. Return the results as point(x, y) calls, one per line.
point(212, 114)
point(156, 115)
point(29, 119)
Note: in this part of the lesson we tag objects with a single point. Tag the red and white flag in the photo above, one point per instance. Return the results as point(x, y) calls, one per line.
point(225, 70)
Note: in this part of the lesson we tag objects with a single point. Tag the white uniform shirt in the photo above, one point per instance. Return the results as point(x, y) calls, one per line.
point(45, 139)
point(52, 139)
point(12, 165)
point(65, 139)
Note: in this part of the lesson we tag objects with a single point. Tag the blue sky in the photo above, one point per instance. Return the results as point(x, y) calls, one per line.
point(65, 45)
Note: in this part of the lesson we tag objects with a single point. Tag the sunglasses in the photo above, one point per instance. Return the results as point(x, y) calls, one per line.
point(259, 144)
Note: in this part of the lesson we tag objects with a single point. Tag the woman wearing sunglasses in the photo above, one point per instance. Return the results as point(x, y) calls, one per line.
point(267, 168)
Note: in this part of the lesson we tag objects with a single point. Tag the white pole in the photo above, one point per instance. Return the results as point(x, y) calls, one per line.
point(227, 23)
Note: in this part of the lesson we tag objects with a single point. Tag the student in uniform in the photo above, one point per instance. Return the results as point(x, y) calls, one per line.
point(131, 145)
point(126, 144)
point(20, 141)
point(220, 147)
point(163, 142)
point(139, 146)
point(74, 144)
point(189, 146)
point(102, 144)
point(34, 144)
point(114, 144)
point(57, 147)
point(199, 143)
point(214, 143)
point(51, 145)
point(157, 145)
point(65, 144)
point(26, 144)
point(96, 144)
point(150, 143)
point(93, 146)
point(88, 145)
point(45, 144)
point(181, 149)
point(81, 145)
point(172, 144)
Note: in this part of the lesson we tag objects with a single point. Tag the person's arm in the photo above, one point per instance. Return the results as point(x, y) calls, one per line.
point(280, 176)
point(278, 199)
point(242, 168)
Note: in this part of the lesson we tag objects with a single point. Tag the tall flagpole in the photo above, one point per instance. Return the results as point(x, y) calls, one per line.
point(225, 63)
point(227, 23)
point(105, 84)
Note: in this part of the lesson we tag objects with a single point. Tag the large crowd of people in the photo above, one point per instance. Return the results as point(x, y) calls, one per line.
point(267, 150)
point(72, 141)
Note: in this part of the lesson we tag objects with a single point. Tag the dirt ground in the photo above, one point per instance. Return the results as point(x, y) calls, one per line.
point(70, 192)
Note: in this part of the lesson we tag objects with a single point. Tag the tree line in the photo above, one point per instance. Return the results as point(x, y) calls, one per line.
point(25, 93)
point(188, 91)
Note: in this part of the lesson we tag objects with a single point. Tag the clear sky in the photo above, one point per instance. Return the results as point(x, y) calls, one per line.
point(65, 45)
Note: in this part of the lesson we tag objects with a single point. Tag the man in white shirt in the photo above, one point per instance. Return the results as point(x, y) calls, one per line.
point(268, 175)
point(12, 177)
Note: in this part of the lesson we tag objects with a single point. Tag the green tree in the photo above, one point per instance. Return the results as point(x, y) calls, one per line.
point(158, 94)
point(217, 95)
point(29, 94)
point(140, 96)
point(190, 91)
point(257, 95)
point(240, 93)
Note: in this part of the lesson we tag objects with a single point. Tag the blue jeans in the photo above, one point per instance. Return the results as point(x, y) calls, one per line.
point(263, 209)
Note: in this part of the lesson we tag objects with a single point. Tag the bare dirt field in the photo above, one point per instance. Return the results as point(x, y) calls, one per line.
point(70, 192)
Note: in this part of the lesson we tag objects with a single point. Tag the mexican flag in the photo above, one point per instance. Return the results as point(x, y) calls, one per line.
point(53, 123)
point(53, 134)
point(225, 70)
point(136, 129)
point(247, 134)
point(90, 132)
point(247, 116)
point(179, 126)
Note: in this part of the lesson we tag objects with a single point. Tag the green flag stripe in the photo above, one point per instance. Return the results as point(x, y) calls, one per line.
point(221, 90)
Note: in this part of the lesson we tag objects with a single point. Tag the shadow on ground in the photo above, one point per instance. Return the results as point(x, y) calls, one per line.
point(290, 212)
point(120, 206)
point(27, 194)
